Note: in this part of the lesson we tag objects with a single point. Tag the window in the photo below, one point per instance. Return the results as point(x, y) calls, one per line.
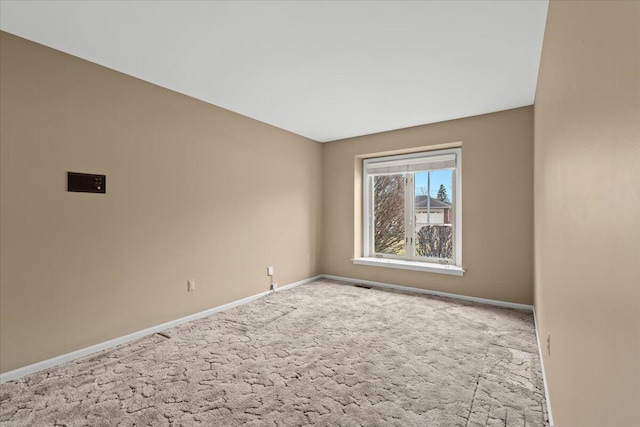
point(412, 211)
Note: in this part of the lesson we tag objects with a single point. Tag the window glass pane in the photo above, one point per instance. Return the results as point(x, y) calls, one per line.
point(434, 214)
point(388, 204)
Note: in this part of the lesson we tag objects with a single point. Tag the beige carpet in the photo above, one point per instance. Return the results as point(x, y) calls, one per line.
point(323, 354)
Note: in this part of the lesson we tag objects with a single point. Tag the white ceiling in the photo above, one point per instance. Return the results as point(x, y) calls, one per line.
point(326, 70)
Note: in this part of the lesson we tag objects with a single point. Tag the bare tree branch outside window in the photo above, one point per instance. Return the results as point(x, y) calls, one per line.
point(389, 214)
point(435, 241)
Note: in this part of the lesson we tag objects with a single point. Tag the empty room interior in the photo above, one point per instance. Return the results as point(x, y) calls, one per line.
point(358, 213)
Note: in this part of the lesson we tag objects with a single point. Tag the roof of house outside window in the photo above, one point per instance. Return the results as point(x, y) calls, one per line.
point(421, 202)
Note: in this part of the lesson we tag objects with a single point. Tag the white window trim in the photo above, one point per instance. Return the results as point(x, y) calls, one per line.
point(406, 263)
point(410, 265)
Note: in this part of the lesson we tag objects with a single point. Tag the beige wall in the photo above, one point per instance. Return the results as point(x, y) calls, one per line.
point(193, 191)
point(497, 157)
point(587, 212)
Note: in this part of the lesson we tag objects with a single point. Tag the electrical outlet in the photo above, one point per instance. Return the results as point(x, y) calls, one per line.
point(191, 285)
point(274, 287)
point(549, 344)
point(270, 270)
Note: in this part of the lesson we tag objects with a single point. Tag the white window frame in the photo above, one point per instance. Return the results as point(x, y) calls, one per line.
point(412, 262)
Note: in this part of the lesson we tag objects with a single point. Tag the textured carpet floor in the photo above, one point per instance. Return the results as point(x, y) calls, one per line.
point(322, 354)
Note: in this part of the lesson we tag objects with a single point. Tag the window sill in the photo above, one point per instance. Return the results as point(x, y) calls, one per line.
point(410, 265)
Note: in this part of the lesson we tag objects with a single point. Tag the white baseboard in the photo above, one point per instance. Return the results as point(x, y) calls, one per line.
point(428, 292)
point(544, 377)
point(58, 360)
point(301, 282)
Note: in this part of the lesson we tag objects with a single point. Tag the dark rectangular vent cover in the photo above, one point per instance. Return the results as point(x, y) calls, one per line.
point(86, 182)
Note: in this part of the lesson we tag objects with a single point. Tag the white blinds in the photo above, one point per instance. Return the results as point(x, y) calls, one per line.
point(416, 164)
